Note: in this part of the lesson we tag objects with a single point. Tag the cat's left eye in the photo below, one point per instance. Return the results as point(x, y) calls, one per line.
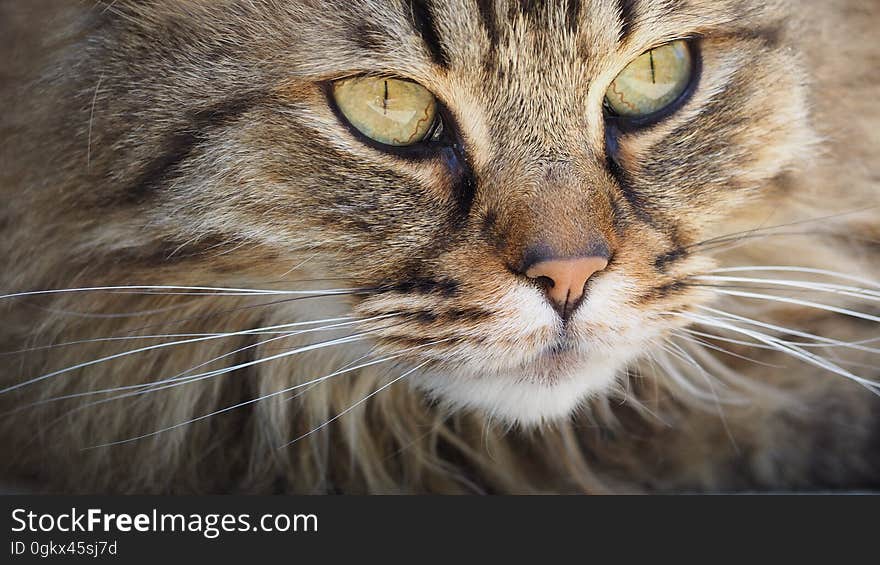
point(653, 82)
point(392, 111)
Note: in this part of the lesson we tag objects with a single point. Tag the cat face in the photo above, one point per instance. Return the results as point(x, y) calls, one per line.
point(528, 181)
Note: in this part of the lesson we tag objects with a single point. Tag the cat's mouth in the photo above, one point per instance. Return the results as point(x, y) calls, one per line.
point(563, 349)
point(517, 359)
point(556, 361)
point(545, 384)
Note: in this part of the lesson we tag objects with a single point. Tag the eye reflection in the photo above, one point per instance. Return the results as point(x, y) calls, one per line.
point(652, 82)
point(388, 110)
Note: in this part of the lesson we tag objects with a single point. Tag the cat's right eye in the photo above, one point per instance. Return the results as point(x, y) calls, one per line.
point(652, 82)
point(391, 111)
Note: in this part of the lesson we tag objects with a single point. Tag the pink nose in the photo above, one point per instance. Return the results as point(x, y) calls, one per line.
point(567, 278)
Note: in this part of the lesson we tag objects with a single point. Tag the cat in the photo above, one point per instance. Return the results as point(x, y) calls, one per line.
point(440, 246)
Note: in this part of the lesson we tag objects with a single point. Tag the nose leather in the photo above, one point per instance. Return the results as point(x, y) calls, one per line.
point(568, 278)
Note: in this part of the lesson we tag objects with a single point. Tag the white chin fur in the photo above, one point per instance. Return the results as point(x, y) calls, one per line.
point(520, 399)
point(502, 387)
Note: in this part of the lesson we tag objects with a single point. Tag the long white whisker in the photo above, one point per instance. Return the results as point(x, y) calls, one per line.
point(798, 302)
point(197, 290)
point(703, 343)
point(727, 339)
point(153, 387)
point(792, 350)
point(682, 381)
point(96, 316)
point(217, 372)
point(832, 344)
point(191, 378)
point(769, 230)
point(366, 355)
point(825, 340)
point(265, 396)
point(355, 405)
point(718, 403)
point(156, 336)
point(729, 375)
point(184, 379)
point(152, 348)
point(788, 269)
point(843, 290)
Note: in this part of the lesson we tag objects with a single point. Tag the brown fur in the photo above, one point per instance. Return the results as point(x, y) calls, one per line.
point(191, 143)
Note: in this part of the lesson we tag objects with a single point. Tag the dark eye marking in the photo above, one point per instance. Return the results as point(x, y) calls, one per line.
point(628, 14)
point(636, 201)
point(369, 37)
point(425, 24)
point(572, 14)
point(770, 37)
point(464, 183)
point(489, 24)
point(529, 8)
point(179, 145)
point(487, 15)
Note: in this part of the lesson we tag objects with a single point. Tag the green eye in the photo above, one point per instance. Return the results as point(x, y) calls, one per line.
point(391, 111)
point(652, 82)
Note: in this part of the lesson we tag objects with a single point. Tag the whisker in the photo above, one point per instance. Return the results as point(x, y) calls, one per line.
point(183, 375)
point(200, 317)
point(355, 405)
point(833, 342)
point(181, 290)
point(727, 339)
point(184, 378)
point(733, 286)
point(798, 302)
point(844, 290)
point(154, 336)
point(303, 262)
point(703, 343)
point(225, 311)
point(718, 402)
point(792, 350)
point(287, 353)
point(96, 316)
point(143, 388)
point(756, 231)
point(154, 387)
point(734, 377)
point(736, 242)
point(683, 382)
point(790, 269)
point(261, 398)
point(144, 349)
point(349, 364)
